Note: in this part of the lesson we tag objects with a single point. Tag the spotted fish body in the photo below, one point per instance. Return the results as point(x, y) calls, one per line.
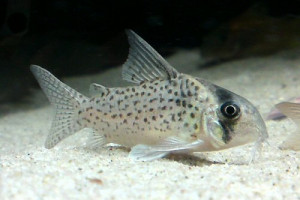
point(154, 110)
point(166, 112)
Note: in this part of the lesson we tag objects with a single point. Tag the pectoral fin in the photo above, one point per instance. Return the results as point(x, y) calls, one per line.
point(146, 153)
point(169, 145)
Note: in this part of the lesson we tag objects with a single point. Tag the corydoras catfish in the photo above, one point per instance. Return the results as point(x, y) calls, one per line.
point(291, 110)
point(165, 112)
point(276, 114)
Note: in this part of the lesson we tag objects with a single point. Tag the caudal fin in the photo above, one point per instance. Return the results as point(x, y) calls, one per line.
point(66, 101)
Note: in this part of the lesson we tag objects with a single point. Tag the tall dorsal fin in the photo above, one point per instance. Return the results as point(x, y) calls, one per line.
point(144, 63)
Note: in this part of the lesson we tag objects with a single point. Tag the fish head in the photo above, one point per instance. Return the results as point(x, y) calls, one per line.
point(231, 120)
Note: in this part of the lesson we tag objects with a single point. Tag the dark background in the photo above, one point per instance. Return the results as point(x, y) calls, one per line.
point(86, 36)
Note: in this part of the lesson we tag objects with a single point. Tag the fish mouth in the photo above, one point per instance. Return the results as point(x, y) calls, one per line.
point(248, 134)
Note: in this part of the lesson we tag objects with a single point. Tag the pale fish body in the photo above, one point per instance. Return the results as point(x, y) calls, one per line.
point(166, 112)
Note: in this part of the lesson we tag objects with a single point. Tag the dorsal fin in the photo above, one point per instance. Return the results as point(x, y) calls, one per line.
point(144, 63)
point(97, 90)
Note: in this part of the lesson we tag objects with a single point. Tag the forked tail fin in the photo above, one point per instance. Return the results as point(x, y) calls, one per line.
point(66, 101)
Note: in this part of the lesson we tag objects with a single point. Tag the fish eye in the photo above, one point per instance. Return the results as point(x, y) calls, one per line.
point(230, 110)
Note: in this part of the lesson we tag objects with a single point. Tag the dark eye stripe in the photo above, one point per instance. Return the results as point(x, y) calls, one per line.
point(226, 132)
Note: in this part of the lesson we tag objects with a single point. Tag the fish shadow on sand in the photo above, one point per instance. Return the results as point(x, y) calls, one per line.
point(200, 160)
point(190, 160)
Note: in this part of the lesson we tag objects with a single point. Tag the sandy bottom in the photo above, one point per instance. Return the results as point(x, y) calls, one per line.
point(73, 171)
